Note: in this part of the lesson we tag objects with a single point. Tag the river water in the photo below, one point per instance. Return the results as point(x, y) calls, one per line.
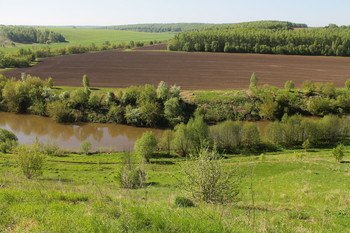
point(29, 128)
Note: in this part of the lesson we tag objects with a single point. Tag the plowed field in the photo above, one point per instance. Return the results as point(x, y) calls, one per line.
point(192, 71)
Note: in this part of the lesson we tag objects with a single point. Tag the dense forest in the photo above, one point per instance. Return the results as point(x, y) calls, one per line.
point(28, 35)
point(328, 41)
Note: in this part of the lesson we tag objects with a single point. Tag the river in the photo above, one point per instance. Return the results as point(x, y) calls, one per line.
point(29, 128)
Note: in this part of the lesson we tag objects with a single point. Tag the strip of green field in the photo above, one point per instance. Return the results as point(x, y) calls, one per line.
point(79, 193)
point(98, 36)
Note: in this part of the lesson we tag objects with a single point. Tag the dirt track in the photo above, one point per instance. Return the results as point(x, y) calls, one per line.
point(189, 70)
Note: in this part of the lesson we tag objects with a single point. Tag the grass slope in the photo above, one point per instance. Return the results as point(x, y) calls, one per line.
point(97, 36)
point(79, 193)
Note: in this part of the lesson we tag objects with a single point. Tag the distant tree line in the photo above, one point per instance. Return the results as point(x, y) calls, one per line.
point(262, 24)
point(181, 27)
point(330, 41)
point(28, 35)
point(24, 57)
point(167, 27)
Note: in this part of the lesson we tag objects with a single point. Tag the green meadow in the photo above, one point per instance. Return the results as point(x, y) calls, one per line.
point(80, 193)
point(86, 37)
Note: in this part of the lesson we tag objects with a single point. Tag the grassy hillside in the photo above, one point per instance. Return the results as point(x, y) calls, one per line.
point(97, 36)
point(79, 193)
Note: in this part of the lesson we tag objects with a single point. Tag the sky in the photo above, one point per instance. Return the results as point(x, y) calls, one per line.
point(109, 12)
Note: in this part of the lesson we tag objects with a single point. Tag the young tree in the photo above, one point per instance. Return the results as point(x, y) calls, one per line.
point(182, 142)
point(30, 160)
point(338, 152)
point(59, 111)
point(49, 82)
point(253, 81)
point(347, 84)
point(131, 176)
point(268, 108)
point(163, 91)
point(85, 147)
point(146, 145)
point(150, 113)
point(165, 141)
point(289, 85)
point(86, 82)
point(174, 91)
point(173, 111)
point(208, 181)
point(198, 132)
point(306, 144)
point(250, 136)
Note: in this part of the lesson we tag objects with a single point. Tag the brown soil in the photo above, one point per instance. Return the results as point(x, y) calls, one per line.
point(189, 70)
point(153, 47)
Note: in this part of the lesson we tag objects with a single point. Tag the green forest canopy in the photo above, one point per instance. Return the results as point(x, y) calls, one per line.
point(266, 38)
point(29, 35)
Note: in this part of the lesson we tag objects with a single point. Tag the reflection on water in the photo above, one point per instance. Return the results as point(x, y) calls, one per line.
point(29, 127)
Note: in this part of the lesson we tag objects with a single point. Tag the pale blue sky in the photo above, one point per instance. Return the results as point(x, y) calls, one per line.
point(108, 12)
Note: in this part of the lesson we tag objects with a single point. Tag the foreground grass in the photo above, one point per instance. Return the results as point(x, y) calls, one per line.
point(79, 193)
point(86, 37)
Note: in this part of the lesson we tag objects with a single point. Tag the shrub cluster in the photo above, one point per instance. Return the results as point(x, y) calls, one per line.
point(236, 136)
point(147, 105)
point(271, 103)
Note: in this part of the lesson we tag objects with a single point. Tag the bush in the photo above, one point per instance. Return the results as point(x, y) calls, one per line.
point(133, 116)
point(8, 140)
point(7, 146)
point(146, 145)
point(347, 84)
point(165, 141)
point(289, 85)
point(51, 149)
point(7, 135)
point(116, 114)
point(182, 142)
point(150, 113)
point(262, 157)
point(298, 155)
point(131, 176)
point(163, 91)
point(198, 132)
point(174, 111)
point(183, 202)
point(250, 136)
point(85, 147)
point(59, 111)
point(338, 152)
point(86, 82)
point(268, 107)
point(227, 135)
point(208, 181)
point(30, 160)
point(253, 81)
